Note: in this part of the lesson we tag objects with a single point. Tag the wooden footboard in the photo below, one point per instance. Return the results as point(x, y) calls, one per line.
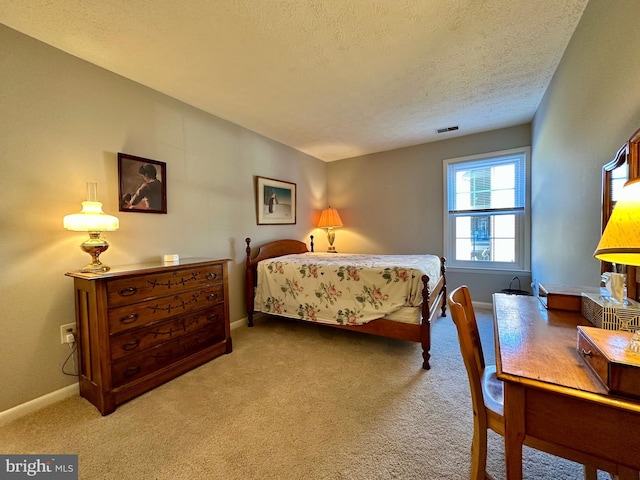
point(432, 302)
point(431, 306)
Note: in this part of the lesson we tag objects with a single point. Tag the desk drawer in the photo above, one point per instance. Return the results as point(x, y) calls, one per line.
point(605, 353)
point(594, 358)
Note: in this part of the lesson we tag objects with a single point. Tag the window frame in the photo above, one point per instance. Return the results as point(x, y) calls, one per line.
point(523, 218)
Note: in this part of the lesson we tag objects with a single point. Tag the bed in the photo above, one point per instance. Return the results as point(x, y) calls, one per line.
point(395, 296)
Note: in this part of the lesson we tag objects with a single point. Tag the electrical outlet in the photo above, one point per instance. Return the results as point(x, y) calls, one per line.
point(65, 330)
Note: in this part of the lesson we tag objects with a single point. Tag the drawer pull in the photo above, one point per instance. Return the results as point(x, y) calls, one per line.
point(212, 296)
point(586, 353)
point(131, 371)
point(213, 317)
point(127, 292)
point(131, 345)
point(129, 318)
point(211, 276)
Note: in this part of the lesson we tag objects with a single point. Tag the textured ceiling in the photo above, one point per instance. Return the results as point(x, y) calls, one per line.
point(331, 78)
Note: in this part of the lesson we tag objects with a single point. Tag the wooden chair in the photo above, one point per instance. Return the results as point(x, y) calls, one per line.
point(486, 390)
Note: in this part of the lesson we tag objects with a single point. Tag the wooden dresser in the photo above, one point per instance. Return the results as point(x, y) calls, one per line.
point(141, 325)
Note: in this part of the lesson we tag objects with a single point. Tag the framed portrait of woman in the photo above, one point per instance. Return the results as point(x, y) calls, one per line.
point(142, 184)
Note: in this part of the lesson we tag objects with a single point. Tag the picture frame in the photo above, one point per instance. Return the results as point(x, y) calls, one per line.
point(142, 184)
point(275, 201)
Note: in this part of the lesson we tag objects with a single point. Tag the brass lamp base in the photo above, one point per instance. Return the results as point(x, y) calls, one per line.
point(94, 246)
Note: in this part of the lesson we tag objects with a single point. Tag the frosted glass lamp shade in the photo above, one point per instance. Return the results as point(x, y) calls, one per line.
point(91, 219)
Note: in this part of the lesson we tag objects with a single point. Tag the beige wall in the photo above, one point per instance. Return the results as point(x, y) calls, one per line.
point(393, 202)
point(63, 122)
point(590, 109)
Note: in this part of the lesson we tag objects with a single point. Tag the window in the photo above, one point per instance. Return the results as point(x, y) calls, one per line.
point(487, 215)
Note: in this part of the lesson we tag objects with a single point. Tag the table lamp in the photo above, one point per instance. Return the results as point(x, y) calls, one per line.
point(620, 241)
point(330, 219)
point(93, 220)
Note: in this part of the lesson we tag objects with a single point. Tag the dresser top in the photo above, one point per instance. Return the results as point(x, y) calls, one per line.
point(146, 267)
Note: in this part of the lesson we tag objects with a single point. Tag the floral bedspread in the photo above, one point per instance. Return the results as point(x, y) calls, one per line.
point(344, 289)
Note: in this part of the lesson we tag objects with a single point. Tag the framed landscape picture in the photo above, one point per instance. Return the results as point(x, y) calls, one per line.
point(142, 184)
point(275, 201)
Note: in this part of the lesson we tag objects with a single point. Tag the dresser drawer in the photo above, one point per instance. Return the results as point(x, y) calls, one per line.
point(129, 290)
point(151, 311)
point(132, 368)
point(131, 343)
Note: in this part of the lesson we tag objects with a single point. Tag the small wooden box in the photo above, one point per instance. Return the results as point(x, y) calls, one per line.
point(563, 297)
point(604, 351)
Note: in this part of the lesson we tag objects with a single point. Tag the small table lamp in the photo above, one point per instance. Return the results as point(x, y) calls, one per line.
point(330, 219)
point(93, 220)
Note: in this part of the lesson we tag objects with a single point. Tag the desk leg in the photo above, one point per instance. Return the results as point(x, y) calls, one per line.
point(514, 408)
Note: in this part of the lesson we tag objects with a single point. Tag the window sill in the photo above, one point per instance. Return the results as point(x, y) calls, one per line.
point(489, 271)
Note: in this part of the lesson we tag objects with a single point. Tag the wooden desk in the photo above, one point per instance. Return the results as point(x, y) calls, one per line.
point(552, 399)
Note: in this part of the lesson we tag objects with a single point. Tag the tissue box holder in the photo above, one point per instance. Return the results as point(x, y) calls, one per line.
point(610, 315)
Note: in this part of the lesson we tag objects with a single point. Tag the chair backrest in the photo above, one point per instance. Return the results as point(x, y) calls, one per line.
point(470, 346)
point(462, 297)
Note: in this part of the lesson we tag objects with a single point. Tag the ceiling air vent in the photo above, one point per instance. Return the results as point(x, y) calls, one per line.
point(447, 129)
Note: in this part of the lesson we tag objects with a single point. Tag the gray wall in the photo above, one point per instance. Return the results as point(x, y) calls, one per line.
point(393, 202)
point(590, 109)
point(63, 122)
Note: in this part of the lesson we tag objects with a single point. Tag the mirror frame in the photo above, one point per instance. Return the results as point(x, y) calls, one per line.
point(629, 153)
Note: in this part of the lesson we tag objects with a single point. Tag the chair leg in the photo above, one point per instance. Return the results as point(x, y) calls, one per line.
point(590, 473)
point(479, 454)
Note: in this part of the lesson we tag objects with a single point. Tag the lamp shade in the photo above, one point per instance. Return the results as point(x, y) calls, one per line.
point(330, 218)
point(620, 241)
point(91, 219)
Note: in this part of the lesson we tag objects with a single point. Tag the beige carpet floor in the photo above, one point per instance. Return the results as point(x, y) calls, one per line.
point(292, 401)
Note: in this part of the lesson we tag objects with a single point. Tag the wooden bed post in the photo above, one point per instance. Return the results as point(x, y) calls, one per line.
point(425, 328)
point(250, 283)
point(443, 269)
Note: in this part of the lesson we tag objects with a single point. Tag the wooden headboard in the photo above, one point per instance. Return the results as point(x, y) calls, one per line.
point(275, 249)
point(268, 250)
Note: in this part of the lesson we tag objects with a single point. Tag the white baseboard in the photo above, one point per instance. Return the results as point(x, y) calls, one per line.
point(482, 305)
point(66, 392)
point(38, 403)
point(239, 323)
